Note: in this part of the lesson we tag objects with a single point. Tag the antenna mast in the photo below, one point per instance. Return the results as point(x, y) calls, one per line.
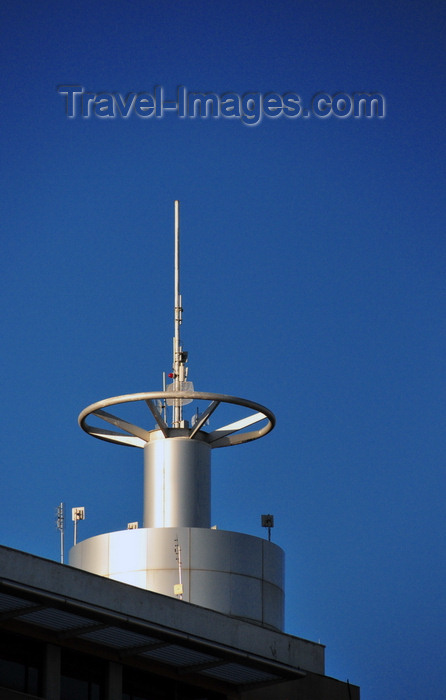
point(179, 357)
point(60, 520)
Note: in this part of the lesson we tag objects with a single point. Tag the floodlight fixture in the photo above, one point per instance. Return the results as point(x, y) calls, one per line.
point(268, 521)
point(77, 514)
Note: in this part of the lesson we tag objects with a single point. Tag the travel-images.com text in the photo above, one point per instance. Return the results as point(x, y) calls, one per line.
point(249, 108)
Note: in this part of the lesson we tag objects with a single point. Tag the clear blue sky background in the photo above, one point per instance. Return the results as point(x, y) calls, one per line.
point(313, 282)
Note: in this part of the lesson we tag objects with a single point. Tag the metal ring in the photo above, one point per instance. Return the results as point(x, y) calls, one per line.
point(135, 436)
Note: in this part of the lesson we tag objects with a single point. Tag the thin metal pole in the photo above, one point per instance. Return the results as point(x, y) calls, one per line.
point(164, 405)
point(62, 539)
point(177, 365)
point(180, 567)
point(61, 528)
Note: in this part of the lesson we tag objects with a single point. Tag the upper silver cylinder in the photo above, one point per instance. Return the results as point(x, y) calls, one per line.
point(177, 482)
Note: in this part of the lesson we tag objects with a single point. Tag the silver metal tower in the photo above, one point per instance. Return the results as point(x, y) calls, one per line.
point(237, 574)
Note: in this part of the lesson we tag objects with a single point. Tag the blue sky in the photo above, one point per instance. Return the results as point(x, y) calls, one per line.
point(313, 258)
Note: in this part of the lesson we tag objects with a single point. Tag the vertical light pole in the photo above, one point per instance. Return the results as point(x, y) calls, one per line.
point(268, 521)
point(77, 514)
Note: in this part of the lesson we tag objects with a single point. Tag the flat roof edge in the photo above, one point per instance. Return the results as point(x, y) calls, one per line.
point(127, 604)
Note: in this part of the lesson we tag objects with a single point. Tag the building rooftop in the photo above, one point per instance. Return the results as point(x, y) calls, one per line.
point(109, 618)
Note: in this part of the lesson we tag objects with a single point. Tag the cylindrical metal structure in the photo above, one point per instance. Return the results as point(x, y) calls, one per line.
point(177, 482)
point(236, 574)
point(233, 573)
